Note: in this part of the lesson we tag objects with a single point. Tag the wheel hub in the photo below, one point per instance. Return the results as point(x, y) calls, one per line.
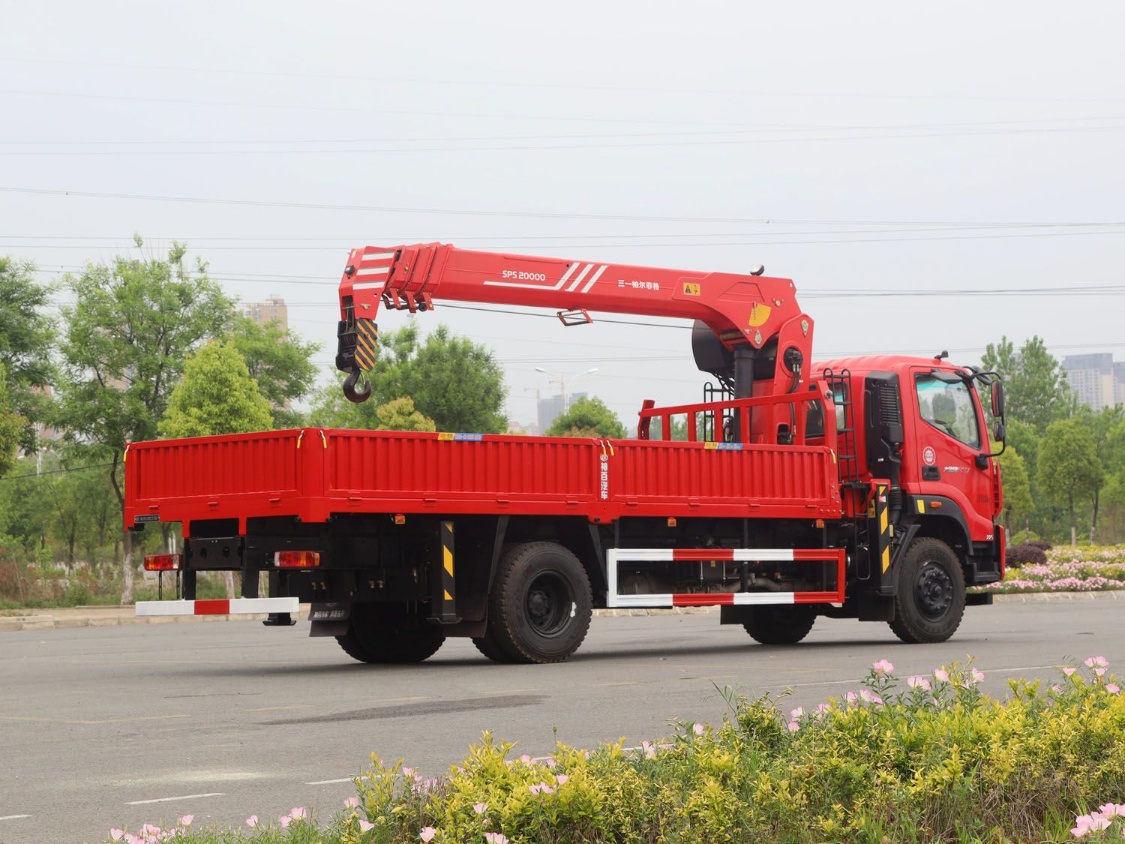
point(547, 600)
point(934, 590)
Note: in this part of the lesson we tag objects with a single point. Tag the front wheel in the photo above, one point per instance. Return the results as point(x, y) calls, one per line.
point(931, 593)
point(541, 605)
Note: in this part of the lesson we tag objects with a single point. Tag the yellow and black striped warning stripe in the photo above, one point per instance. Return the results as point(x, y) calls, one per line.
point(882, 515)
point(448, 588)
point(366, 342)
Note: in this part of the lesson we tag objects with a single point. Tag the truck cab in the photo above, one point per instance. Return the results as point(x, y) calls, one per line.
point(919, 425)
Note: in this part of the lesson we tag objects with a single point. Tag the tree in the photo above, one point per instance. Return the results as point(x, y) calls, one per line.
point(27, 338)
point(400, 415)
point(216, 395)
point(1036, 389)
point(12, 426)
point(587, 417)
point(1100, 425)
point(450, 380)
point(1068, 466)
point(281, 364)
point(127, 336)
point(1017, 488)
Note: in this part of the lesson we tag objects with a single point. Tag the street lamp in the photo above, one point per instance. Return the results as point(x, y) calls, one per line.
point(562, 380)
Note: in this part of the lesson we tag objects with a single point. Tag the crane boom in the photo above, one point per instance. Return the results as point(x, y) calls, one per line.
point(749, 314)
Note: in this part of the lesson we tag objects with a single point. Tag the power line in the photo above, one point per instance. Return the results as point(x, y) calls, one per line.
point(525, 214)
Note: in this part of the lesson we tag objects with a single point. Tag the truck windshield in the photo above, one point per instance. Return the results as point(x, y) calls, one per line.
point(948, 407)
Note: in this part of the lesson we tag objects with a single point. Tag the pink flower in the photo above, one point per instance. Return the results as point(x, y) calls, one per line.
point(851, 697)
point(697, 728)
point(883, 666)
point(870, 697)
point(525, 759)
point(252, 821)
point(187, 819)
point(1113, 688)
point(1096, 662)
point(297, 812)
point(285, 820)
point(562, 779)
point(1069, 670)
point(649, 749)
point(794, 726)
point(795, 714)
point(480, 808)
point(427, 833)
point(941, 675)
point(976, 676)
point(116, 834)
point(365, 826)
point(535, 789)
point(495, 838)
point(408, 772)
point(918, 683)
point(352, 802)
point(1085, 824)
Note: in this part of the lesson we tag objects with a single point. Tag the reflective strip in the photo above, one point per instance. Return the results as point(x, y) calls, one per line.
point(665, 555)
point(704, 599)
point(378, 256)
point(221, 606)
point(613, 556)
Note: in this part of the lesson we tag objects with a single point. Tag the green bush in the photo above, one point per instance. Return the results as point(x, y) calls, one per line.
point(928, 759)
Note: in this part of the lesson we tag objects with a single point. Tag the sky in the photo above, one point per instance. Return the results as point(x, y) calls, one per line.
point(932, 178)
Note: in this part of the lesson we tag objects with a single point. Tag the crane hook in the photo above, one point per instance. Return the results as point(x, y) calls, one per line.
point(350, 391)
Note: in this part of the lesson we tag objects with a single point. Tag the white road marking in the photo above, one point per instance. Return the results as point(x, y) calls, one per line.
point(170, 799)
point(331, 782)
point(13, 817)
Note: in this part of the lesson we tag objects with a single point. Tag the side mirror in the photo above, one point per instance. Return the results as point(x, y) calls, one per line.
point(998, 400)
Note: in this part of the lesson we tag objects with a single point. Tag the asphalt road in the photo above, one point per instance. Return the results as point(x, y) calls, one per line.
point(106, 727)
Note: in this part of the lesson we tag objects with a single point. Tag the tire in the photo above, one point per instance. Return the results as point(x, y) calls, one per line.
point(931, 593)
point(487, 646)
point(773, 624)
point(541, 605)
point(385, 634)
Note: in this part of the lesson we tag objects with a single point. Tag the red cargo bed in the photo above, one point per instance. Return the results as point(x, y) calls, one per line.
point(312, 473)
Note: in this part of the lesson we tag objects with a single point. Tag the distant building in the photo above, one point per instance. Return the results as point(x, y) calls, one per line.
point(551, 408)
point(1096, 379)
point(271, 310)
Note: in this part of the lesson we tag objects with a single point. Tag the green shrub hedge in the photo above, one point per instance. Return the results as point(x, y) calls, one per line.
point(921, 759)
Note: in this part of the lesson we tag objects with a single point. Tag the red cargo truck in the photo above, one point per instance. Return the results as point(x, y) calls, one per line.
point(853, 488)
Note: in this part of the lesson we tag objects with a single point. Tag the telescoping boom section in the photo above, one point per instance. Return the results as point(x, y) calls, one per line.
point(861, 488)
point(747, 314)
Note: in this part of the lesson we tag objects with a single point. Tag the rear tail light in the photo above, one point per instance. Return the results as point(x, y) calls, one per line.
point(163, 562)
point(296, 559)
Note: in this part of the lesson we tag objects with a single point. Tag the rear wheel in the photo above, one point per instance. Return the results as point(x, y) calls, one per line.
point(541, 605)
point(931, 593)
point(385, 633)
point(487, 646)
point(773, 624)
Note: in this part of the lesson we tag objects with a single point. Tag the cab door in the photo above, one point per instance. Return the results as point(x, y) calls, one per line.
point(948, 445)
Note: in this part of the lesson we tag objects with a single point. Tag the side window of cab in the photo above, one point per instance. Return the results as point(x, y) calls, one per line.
point(947, 406)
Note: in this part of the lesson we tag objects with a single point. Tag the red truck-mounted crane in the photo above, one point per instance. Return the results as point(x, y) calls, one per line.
point(853, 488)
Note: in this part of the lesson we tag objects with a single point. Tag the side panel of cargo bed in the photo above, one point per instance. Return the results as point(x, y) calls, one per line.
point(313, 473)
